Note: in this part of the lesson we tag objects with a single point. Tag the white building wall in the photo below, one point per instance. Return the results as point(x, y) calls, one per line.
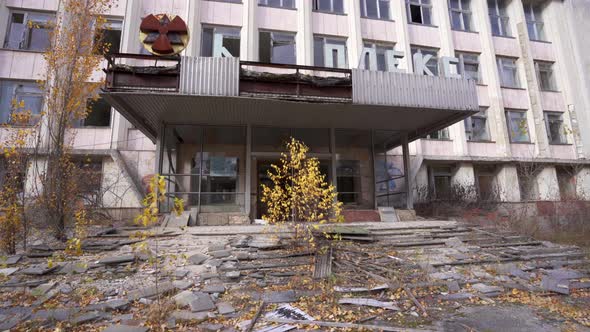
point(567, 46)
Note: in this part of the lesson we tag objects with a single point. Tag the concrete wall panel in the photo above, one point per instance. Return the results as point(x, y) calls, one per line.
point(378, 30)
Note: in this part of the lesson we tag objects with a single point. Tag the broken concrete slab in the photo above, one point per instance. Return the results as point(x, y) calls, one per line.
point(565, 274)
point(182, 284)
point(125, 328)
point(10, 260)
point(369, 303)
point(110, 305)
point(8, 271)
point(87, 317)
point(62, 314)
point(184, 298)
point(457, 296)
point(360, 289)
point(72, 267)
point(280, 296)
point(225, 308)
point(232, 274)
point(555, 285)
point(179, 274)
point(446, 275)
point(177, 221)
point(220, 253)
point(216, 247)
point(113, 260)
point(202, 302)
point(213, 288)
point(486, 289)
point(40, 269)
point(151, 291)
point(198, 258)
point(188, 316)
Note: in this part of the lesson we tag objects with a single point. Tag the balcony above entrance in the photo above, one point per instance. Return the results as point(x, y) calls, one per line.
point(150, 91)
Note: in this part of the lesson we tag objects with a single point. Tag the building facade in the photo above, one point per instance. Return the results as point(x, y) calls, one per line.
point(528, 59)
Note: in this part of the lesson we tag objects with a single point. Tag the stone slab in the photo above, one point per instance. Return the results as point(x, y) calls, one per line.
point(125, 328)
point(202, 302)
point(198, 259)
point(113, 260)
point(188, 316)
point(225, 308)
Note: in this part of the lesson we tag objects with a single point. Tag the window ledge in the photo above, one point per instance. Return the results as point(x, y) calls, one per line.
point(423, 25)
point(553, 91)
point(378, 19)
point(468, 31)
point(438, 139)
point(329, 13)
point(512, 88)
point(523, 143)
point(19, 50)
point(286, 8)
point(541, 41)
point(481, 84)
point(481, 141)
point(561, 144)
point(500, 36)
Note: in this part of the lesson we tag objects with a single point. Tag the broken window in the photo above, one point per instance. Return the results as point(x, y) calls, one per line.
point(108, 37)
point(99, 114)
point(28, 93)
point(508, 71)
point(29, 31)
point(484, 177)
point(419, 11)
point(545, 76)
point(329, 6)
point(440, 182)
point(378, 9)
point(442, 134)
point(566, 180)
point(556, 132)
point(460, 12)
point(534, 21)
point(278, 3)
point(220, 42)
point(527, 184)
point(329, 52)
point(476, 126)
point(432, 63)
point(379, 57)
point(498, 18)
point(277, 47)
point(469, 66)
point(518, 128)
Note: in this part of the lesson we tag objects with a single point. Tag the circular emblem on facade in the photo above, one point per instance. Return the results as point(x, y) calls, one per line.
point(163, 34)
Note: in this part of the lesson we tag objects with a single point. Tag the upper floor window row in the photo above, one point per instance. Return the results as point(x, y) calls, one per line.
point(460, 15)
point(419, 11)
point(13, 93)
point(290, 4)
point(29, 31)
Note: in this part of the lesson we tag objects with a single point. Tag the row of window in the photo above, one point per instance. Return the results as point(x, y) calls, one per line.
point(31, 95)
point(441, 188)
point(30, 30)
point(477, 129)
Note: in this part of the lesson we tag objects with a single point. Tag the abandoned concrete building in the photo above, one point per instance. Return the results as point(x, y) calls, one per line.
point(402, 101)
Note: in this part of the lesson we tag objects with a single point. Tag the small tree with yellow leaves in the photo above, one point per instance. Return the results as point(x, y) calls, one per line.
point(299, 192)
point(13, 224)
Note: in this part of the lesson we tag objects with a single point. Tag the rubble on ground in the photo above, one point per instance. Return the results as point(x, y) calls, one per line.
point(378, 276)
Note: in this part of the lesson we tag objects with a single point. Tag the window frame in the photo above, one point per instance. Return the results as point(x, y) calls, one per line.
point(323, 39)
point(376, 47)
point(265, 3)
point(215, 27)
point(546, 67)
point(423, 5)
point(109, 23)
point(469, 127)
point(562, 139)
point(426, 50)
point(534, 24)
point(49, 25)
point(523, 119)
point(462, 61)
point(504, 63)
point(441, 171)
point(271, 32)
point(316, 7)
point(463, 14)
point(15, 96)
point(443, 135)
point(365, 14)
point(501, 17)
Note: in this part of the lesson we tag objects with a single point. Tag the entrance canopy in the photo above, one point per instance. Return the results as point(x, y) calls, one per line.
point(150, 91)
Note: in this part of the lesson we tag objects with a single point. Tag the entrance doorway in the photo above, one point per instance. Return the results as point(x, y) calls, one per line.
point(263, 166)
